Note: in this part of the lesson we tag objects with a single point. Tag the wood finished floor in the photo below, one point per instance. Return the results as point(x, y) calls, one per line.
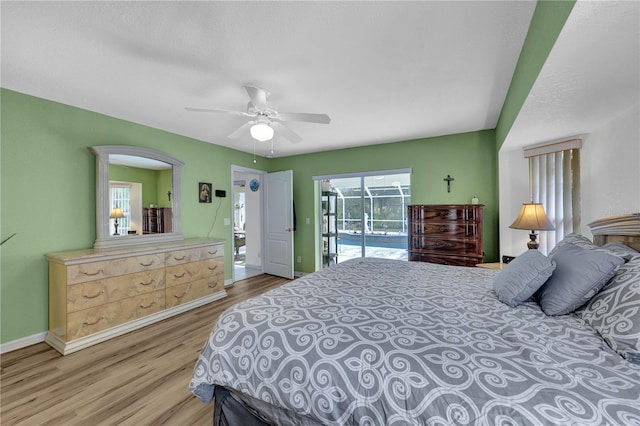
point(140, 378)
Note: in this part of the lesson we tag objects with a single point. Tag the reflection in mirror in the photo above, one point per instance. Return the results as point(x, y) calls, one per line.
point(137, 196)
point(141, 188)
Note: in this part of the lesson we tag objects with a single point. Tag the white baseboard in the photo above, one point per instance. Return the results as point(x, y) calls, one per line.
point(228, 282)
point(299, 274)
point(22, 342)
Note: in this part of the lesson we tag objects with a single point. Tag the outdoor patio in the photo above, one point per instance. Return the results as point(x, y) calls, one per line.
point(346, 252)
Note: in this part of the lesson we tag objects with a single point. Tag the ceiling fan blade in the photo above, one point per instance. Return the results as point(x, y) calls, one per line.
point(239, 113)
point(240, 131)
point(303, 116)
point(258, 96)
point(285, 132)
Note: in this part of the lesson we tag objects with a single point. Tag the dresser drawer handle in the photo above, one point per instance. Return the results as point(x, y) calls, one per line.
point(148, 306)
point(179, 276)
point(182, 295)
point(212, 285)
point(86, 296)
point(147, 264)
point(149, 283)
point(212, 253)
point(91, 274)
point(180, 258)
point(93, 323)
point(213, 268)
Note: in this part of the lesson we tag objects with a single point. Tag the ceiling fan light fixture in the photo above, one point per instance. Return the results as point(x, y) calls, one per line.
point(261, 131)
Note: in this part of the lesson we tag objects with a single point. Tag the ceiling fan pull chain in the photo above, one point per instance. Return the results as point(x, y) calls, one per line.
point(254, 151)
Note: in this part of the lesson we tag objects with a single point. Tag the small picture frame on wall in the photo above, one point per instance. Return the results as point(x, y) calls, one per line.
point(204, 192)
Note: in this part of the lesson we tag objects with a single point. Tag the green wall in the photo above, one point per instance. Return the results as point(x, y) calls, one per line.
point(147, 177)
point(48, 189)
point(48, 193)
point(164, 185)
point(47, 177)
point(547, 22)
point(469, 158)
point(155, 183)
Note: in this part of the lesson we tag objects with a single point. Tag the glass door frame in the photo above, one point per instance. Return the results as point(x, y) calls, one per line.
point(362, 175)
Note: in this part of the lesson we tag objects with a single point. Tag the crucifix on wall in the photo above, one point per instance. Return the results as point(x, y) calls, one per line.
point(448, 179)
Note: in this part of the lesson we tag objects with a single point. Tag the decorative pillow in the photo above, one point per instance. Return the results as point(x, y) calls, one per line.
point(615, 311)
point(620, 250)
point(522, 277)
point(580, 273)
point(615, 249)
point(575, 239)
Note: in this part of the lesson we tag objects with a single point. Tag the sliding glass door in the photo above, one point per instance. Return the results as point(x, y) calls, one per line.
point(370, 214)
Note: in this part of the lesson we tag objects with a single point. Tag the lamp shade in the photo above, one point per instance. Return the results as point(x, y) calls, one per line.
point(533, 217)
point(261, 131)
point(116, 213)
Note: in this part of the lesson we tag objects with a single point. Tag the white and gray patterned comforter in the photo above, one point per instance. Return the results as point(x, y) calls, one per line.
point(377, 341)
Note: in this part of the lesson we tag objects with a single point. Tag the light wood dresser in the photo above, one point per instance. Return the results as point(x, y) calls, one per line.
point(95, 295)
point(449, 234)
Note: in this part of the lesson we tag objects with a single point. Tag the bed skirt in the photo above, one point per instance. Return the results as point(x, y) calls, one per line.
point(230, 411)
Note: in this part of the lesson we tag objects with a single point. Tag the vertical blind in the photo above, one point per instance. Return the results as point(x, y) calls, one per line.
point(554, 180)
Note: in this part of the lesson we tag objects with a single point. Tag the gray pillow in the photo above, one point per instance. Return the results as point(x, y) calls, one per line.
point(580, 273)
point(615, 311)
point(615, 249)
point(620, 250)
point(522, 277)
point(575, 239)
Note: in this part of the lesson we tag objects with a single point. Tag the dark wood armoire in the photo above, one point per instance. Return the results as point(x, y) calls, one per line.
point(156, 220)
point(449, 234)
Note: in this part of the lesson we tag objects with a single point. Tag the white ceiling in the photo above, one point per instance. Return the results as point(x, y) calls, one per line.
point(591, 76)
point(383, 71)
point(136, 161)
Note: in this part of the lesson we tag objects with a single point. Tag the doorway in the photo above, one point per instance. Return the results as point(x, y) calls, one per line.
point(247, 223)
point(264, 226)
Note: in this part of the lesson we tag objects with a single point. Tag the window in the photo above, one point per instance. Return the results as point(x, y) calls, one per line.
point(554, 180)
point(120, 196)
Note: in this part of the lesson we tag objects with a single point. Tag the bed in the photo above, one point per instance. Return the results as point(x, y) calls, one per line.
point(378, 341)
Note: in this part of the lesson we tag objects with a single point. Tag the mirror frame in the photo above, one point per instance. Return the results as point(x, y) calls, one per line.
point(103, 237)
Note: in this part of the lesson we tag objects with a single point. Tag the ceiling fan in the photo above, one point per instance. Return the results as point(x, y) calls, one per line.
point(264, 118)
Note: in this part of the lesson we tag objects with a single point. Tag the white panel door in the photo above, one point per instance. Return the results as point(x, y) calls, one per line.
point(278, 208)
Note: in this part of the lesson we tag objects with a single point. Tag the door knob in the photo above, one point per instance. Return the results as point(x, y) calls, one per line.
point(288, 229)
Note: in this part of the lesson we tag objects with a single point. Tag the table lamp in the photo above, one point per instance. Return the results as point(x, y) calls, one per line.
point(532, 217)
point(116, 214)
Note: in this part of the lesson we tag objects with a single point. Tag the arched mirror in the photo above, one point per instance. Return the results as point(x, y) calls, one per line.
point(137, 196)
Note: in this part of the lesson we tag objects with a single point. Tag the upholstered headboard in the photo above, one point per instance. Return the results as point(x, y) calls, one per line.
point(622, 229)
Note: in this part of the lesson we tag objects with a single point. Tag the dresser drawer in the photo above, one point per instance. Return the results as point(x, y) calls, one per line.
point(446, 229)
point(92, 320)
point(183, 293)
point(178, 257)
point(186, 272)
point(91, 271)
point(442, 259)
point(94, 293)
point(446, 246)
point(444, 213)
